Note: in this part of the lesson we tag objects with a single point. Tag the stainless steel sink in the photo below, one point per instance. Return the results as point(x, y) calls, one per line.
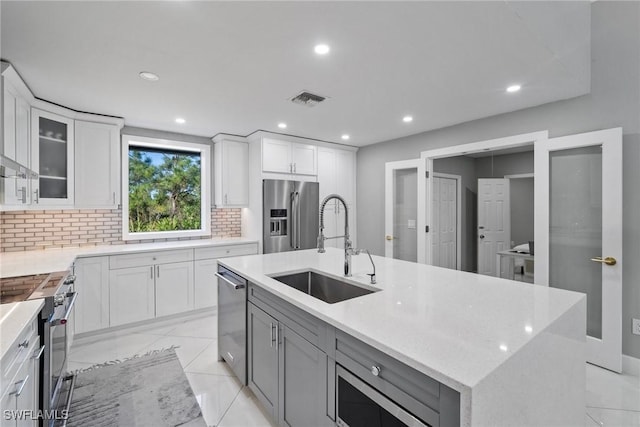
point(323, 287)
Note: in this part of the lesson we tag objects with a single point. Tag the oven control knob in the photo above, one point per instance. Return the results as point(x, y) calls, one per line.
point(375, 370)
point(70, 279)
point(58, 300)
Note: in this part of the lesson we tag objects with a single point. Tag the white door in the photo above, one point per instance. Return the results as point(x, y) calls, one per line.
point(578, 226)
point(494, 222)
point(444, 223)
point(91, 310)
point(235, 178)
point(205, 283)
point(131, 295)
point(401, 210)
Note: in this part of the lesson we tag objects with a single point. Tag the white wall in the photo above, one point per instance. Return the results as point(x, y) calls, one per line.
point(614, 101)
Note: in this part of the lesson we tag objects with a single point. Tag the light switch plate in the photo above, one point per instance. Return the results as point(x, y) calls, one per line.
point(636, 326)
point(411, 224)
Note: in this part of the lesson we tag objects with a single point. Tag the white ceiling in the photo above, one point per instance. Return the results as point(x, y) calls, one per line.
point(231, 66)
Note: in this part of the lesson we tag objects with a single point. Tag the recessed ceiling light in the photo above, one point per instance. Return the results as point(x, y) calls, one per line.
point(180, 121)
point(407, 119)
point(345, 137)
point(504, 347)
point(148, 75)
point(321, 49)
point(513, 88)
point(282, 125)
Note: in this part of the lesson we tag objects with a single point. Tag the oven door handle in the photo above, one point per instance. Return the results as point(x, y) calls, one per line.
point(63, 320)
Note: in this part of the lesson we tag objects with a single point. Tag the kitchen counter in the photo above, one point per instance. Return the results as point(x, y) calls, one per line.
point(14, 317)
point(515, 352)
point(48, 260)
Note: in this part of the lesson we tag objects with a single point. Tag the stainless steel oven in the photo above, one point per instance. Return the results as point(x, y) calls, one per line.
point(360, 405)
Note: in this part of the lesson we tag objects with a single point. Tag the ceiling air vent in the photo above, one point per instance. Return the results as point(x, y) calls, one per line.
point(307, 99)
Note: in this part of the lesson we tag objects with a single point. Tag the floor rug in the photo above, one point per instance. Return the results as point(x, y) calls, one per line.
point(148, 390)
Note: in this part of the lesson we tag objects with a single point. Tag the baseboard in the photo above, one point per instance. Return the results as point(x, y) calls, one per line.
point(630, 365)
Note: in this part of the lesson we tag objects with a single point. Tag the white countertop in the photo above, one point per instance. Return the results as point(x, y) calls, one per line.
point(14, 317)
point(48, 260)
point(453, 326)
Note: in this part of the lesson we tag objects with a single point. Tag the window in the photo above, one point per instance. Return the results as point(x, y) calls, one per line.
point(165, 188)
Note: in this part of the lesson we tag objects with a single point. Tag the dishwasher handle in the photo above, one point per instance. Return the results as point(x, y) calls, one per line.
point(230, 283)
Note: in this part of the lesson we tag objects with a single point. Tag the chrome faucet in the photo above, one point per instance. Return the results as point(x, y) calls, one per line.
point(348, 248)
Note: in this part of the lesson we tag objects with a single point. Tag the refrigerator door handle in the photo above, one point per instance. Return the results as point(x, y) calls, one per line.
point(298, 220)
point(292, 235)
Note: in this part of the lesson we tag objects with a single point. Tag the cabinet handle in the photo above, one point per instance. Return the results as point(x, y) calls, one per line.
point(114, 197)
point(38, 353)
point(158, 271)
point(375, 370)
point(225, 199)
point(18, 391)
point(24, 344)
point(23, 197)
point(151, 271)
point(294, 168)
point(37, 193)
point(273, 336)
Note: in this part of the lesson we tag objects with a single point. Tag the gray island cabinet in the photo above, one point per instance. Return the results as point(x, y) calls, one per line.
point(426, 346)
point(293, 358)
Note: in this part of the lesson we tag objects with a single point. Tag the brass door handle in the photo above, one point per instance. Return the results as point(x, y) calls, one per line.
point(608, 260)
point(389, 237)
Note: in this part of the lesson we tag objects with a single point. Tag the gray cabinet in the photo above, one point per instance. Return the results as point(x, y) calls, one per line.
point(287, 373)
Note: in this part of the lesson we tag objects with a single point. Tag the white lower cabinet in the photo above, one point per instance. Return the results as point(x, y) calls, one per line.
point(174, 288)
point(20, 373)
point(91, 310)
point(205, 283)
point(132, 295)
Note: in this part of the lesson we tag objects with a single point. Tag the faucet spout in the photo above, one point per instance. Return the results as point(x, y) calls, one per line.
point(348, 250)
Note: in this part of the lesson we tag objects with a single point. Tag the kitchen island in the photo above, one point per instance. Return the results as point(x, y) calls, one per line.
point(514, 352)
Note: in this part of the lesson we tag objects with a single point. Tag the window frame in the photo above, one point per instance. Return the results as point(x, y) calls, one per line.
point(205, 191)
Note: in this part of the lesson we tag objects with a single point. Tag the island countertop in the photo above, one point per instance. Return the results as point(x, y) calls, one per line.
point(453, 326)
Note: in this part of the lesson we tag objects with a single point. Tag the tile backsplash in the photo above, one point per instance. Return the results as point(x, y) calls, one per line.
point(31, 230)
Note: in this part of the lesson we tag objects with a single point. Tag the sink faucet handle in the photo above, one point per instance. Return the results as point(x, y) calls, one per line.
point(373, 278)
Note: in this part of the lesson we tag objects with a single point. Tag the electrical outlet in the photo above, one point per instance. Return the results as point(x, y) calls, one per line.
point(636, 326)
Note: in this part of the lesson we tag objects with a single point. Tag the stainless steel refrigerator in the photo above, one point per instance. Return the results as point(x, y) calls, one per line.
point(290, 210)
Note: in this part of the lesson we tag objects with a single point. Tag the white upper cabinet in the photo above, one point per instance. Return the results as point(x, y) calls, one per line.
point(52, 145)
point(288, 157)
point(97, 165)
point(16, 133)
point(231, 173)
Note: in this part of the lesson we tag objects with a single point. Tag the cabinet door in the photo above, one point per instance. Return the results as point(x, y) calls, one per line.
point(276, 156)
point(304, 159)
point(235, 173)
point(326, 171)
point(345, 175)
point(91, 311)
point(8, 403)
point(17, 118)
point(97, 165)
point(27, 400)
point(131, 295)
point(52, 148)
point(205, 283)
point(303, 382)
point(263, 358)
point(174, 288)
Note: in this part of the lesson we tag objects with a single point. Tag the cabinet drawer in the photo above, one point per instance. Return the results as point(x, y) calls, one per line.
point(27, 343)
point(149, 258)
point(226, 251)
point(421, 395)
point(310, 328)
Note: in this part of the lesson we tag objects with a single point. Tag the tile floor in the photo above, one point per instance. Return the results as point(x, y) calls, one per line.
point(612, 399)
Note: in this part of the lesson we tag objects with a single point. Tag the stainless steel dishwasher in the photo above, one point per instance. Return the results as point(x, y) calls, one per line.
point(232, 321)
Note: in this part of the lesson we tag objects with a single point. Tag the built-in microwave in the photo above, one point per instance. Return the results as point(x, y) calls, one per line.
point(360, 405)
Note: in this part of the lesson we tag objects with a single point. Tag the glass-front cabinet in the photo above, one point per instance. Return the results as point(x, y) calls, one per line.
point(52, 157)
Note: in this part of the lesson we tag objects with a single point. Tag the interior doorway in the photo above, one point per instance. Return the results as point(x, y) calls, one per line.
point(401, 209)
point(446, 201)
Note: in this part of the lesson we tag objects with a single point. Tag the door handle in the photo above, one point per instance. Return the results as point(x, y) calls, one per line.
point(608, 260)
point(481, 236)
point(388, 237)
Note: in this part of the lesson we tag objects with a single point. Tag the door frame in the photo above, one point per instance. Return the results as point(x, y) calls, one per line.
point(458, 179)
point(389, 169)
point(425, 210)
